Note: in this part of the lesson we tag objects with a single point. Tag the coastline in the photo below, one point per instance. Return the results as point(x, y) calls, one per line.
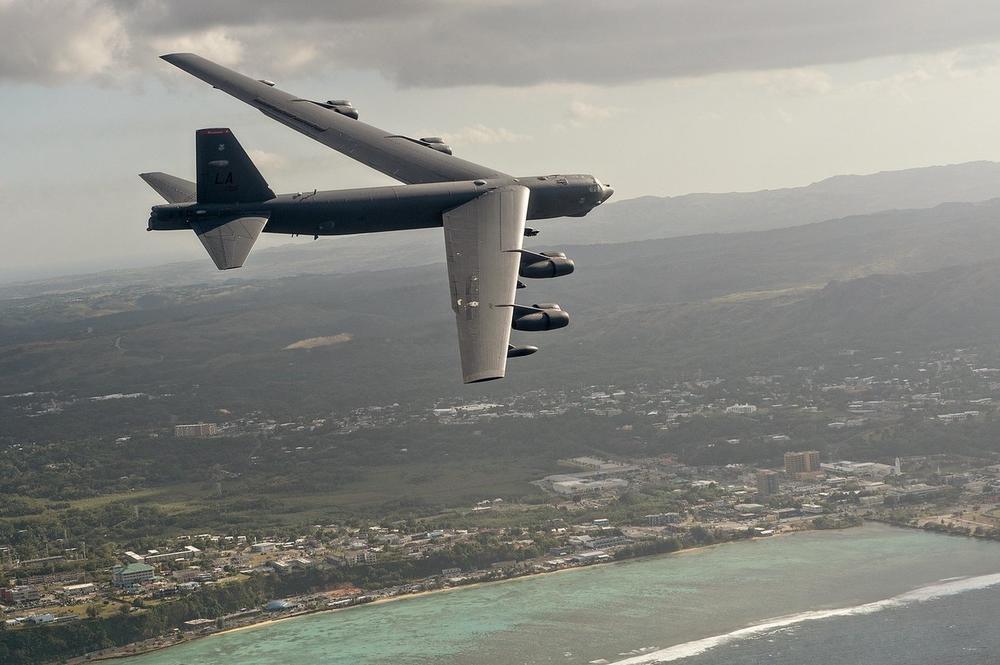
point(120, 652)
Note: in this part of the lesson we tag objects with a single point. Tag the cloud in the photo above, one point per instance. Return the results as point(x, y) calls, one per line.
point(800, 82)
point(584, 112)
point(267, 161)
point(215, 44)
point(482, 135)
point(441, 43)
point(581, 113)
point(53, 41)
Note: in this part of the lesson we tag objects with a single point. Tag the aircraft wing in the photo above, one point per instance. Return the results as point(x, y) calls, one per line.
point(402, 158)
point(482, 241)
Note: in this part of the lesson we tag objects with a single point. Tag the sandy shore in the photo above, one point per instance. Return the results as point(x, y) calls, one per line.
point(517, 578)
point(408, 596)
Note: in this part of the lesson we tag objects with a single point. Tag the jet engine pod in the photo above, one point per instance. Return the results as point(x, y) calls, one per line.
point(548, 316)
point(545, 265)
point(520, 351)
point(437, 143)
point(343, 107)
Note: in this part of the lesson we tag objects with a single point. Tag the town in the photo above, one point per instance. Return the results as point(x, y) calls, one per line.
point(715, 487)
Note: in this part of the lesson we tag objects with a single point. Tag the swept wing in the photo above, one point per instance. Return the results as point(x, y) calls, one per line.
point(399, 157)
point(482, 242)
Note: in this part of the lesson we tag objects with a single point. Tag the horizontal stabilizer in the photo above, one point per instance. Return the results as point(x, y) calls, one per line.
point(230, 239)
point(170, 187)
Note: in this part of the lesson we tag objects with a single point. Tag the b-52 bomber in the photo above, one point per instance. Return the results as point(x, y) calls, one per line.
point(483, 212)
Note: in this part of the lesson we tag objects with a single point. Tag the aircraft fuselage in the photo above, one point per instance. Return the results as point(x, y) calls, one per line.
point(390, 208)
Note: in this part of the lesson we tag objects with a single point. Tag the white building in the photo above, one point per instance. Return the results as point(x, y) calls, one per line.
point(741, 409)
point(79, 589)
point(196, 430)
point(859, 469)
point(586, 486)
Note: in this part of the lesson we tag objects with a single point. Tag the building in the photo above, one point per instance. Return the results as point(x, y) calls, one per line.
point(43, 562)
point(20, 595)
point(199, 624)
point(189, 552)
point(767, 482)
point(802, 462)
point(609, 541)
point(916, 492)
point(359, 558)
point(195, 431)
point(859, 469)
point(572, 485)
point(79, 589)
point(131, 575)
point(155, 556)
point(48, 617)
point(662, 519)
point(742, 409)
point(957, 417)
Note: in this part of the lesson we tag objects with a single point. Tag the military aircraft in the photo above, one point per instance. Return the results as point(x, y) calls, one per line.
point(482, 210)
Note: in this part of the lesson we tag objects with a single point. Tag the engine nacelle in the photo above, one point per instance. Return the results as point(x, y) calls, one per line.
point(548, 316)
point(545, 265)
point(437, 143)
point(343, 107)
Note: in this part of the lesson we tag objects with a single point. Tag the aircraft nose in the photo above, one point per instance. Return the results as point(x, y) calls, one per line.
point(606, 192)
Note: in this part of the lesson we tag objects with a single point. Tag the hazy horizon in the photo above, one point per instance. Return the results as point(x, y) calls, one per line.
point(194, 252)
point(655, 98)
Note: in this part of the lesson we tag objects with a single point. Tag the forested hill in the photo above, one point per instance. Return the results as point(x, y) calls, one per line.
point(624, 221)
point(832, 198)
point(723, 303)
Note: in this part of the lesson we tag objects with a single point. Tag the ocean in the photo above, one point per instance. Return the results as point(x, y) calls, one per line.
point(875, 595)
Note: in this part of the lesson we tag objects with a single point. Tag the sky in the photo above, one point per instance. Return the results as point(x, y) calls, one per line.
point(656, 97)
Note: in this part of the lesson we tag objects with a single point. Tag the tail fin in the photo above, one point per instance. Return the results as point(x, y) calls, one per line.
point(171, 188)
point(225, 172)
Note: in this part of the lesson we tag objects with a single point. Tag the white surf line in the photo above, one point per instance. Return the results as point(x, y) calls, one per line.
point(930, 592)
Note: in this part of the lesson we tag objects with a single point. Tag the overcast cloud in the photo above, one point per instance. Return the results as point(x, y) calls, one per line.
point(658, 97)
point(441, 43)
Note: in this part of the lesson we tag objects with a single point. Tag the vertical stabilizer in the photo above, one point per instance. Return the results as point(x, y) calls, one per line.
point(225, 172)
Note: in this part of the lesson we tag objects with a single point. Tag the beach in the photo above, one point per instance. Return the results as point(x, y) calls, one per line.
point(625, 610)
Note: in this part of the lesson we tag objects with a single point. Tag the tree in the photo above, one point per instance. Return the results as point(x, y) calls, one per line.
point(93, 611)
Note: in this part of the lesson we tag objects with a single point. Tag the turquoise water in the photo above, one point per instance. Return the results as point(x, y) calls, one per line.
point(678, 607)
